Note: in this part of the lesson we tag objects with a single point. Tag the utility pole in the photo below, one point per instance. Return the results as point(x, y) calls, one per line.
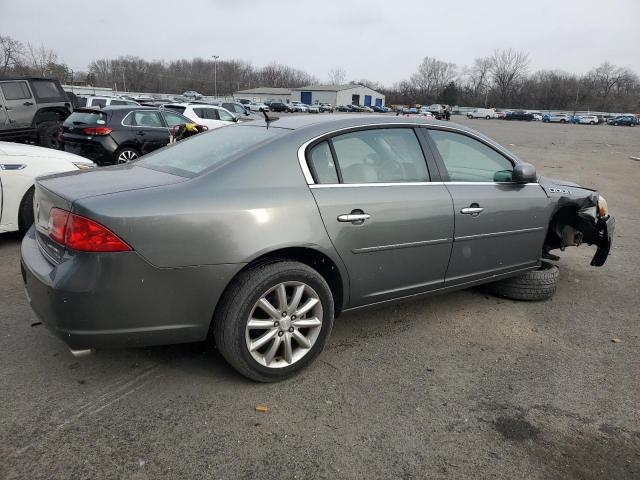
point(215, 75)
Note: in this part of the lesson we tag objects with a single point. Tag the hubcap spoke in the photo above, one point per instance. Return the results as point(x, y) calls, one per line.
point(307, 306)
point(255, 324)
point(288, 351)
point(268, 308)
point(307, 323)
point(263, 340)
point(268, 356)
point(282, 297)
point(295, 301)
point(301, 339)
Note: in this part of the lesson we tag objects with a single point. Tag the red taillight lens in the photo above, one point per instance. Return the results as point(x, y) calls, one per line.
point(97, 130)
point(58, 224)
point(80, 233)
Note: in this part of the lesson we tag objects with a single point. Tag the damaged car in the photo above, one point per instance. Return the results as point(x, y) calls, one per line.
point(256, 236)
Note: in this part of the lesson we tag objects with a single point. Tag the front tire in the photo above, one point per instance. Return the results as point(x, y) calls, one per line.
point(540, 284)
point(273, 320)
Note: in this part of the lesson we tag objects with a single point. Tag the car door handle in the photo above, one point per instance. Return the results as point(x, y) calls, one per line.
point(354, 217)
point(473, 210)
point(27, 104)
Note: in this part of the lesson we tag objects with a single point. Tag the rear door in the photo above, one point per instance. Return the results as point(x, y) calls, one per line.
point(150, 131)
point(19, 103)
point(500, 226)
point(390, 223)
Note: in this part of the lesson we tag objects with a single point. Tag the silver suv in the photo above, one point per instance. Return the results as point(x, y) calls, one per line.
point(32, 108)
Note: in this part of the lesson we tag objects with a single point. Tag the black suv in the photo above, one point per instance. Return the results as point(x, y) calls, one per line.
point(519, 115)
point(32, 108)
point(118, 134)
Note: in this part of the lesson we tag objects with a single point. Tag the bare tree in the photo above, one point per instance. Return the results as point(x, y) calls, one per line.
point(40, 59)
point(605, 78)
point(508, 68)
point(337, 76)
point(432, 77)
point(478, 75)
point(11, 54)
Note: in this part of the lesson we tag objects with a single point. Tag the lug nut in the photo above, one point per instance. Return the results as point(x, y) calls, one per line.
point(284, 314)
point(276, 323)
point(280, 333)
point(290, 329)
point(293, 317)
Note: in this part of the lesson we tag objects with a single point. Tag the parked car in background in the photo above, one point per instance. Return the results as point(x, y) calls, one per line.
point(301, 107)
point(556, 118)
point(258, 107)
point(326, 107)
point(588, 119)
point(537, 116)
point(279, 107)
point(211, 116)
point(519, 115)
point(191, 94)
point(20, 165)
point(486, 113)
point(100, 101)
point(501, 115)
point(315, 108)
point(217, 265)
point(624, 120)
point(32, 109)
point(379, 109)
point(118, 134)
point(342, 108)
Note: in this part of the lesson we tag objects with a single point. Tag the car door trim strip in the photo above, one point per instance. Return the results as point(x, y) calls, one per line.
point(497, 234)
point(400, 245)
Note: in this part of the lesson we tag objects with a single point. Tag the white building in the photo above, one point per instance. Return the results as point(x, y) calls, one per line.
point(338, 95)
point(262, 94)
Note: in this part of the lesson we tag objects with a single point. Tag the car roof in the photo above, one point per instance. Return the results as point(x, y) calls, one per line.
point(196, 105)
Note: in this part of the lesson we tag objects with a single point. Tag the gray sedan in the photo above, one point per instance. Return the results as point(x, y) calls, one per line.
point(257, 235)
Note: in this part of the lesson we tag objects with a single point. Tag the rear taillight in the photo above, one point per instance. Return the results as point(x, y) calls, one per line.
point(81, 233)
point(97, 131)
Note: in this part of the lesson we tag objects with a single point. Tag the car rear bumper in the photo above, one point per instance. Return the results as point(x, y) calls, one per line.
point(604, 239)
point(101, 150)
point(119, 299)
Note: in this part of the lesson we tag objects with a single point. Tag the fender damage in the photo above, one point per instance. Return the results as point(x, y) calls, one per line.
point(580, 216)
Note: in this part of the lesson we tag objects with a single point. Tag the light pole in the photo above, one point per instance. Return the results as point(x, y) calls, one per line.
point(215, 75)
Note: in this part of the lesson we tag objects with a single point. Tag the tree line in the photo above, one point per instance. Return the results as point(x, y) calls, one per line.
point(502, 79)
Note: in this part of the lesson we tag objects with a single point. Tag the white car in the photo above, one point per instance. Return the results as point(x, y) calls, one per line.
point(314, 108)
point(588, 120)
point(211, 116)
point(19, 166)
point(258, 107)
point(483, 113)
point(95, 101)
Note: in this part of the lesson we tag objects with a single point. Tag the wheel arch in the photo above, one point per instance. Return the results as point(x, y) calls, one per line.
point(50, 114)
point(21, 205)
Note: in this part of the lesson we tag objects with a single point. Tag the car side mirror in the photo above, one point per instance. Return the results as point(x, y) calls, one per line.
point(524, 173)
point(235, 119)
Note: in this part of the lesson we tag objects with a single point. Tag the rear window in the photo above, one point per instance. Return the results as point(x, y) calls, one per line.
point(47, 90)
point(202, 152)
point(177, 108)
point(86, 118)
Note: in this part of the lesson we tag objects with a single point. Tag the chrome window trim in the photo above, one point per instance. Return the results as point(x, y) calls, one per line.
point(497, 234)
point(309, 177)
point(408, 184)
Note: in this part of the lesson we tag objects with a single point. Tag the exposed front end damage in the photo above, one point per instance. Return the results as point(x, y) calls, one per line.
point(580, 216)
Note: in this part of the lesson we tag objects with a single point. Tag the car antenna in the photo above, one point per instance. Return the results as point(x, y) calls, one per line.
point(269, 119)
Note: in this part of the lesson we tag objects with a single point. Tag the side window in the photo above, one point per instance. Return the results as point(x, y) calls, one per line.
point(468, 160)
point(128, 120)
point(211, 114)
point(321, 163)
point(15, 90)
point(119, 102)
point(174, 119)
point(382, 155)
point(200, 112)
point(224, 115)
point(147, 119)
point(98, 102)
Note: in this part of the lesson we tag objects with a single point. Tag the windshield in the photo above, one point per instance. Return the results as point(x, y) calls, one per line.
point(86, 118)
point(204, 151)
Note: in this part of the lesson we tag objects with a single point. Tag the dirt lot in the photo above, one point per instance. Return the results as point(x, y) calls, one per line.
point(460, 386)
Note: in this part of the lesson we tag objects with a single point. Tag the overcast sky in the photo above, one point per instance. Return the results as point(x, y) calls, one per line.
point(381, 40)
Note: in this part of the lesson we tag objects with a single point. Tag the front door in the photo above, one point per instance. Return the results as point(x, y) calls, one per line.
point(390, 224)
point(500, 226)
point(151, 133)
point(19, 103)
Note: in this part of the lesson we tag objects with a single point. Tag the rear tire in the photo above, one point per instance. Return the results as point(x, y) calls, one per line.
point(240, 302)
point(25, 213)
point(487, 117)
point(538, 284)
point(49, 135)
point(126, 155)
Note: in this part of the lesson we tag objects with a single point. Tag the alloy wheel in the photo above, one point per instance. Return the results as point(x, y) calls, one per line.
point(284, 324)
point(127, 156)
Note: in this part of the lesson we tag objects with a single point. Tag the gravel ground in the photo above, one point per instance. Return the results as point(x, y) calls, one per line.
point(459, 386)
